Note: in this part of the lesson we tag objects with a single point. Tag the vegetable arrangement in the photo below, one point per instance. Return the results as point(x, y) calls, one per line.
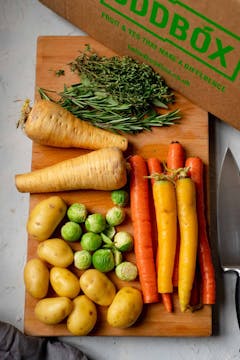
point(54, 268)
point(193, 238)
point(91, 262)
point(70, 272)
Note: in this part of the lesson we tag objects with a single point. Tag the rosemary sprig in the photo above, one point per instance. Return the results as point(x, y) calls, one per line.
point(117, 93)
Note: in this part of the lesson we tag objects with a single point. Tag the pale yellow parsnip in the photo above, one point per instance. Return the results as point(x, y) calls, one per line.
point(103, 169)
point(50, 124)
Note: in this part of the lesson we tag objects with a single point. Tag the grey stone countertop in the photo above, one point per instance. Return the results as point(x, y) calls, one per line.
point(21, 22)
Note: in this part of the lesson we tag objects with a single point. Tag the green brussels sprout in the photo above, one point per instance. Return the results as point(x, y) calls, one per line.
point(95, 223)
point(117, 256)
point(77, 212)
point(123, 241)
point(91, 241)
point(82, 259)
point(107, 242)
point(126, 271)
point(120, 197)
point(115, 216)
point(110, 231)
point(71, 231)
point(103, 260)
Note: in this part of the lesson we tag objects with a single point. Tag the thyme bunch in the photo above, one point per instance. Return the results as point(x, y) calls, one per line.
point(117, 93)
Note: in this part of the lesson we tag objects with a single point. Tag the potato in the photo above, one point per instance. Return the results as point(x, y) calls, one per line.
point(97, 286)
point(56, 252)
point(83, 316)
point(45, 217)
point(126, 307)
point(53, 310)
point(64, 282)
point(36, 278)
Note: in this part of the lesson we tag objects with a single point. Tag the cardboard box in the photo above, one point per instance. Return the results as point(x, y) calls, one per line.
point(194, 45)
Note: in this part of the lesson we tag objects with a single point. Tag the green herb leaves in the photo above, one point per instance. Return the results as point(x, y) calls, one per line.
point(117, 93)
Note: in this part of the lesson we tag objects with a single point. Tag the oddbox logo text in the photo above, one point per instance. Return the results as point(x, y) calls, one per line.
point(185, 29)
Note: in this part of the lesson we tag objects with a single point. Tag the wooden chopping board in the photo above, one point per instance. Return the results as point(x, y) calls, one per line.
point(54, 53)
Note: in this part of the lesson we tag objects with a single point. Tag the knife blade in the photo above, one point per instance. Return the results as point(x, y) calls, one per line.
point(228, 220)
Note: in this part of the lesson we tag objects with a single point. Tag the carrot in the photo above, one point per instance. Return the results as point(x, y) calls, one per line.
point(176, 260)
point(166, 216)
point(154, 167)
point(175, 160)
point(140, 213)
point(103, 169)
point(175, 156)
point(188, 223)
point(196, 171)
point(195, 299)
point(48, 123)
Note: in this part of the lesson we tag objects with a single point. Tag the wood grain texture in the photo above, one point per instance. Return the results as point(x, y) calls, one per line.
point(54, 53)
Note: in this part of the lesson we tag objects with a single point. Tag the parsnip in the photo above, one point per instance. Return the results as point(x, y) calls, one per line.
point(103, 169)
point(48, 123)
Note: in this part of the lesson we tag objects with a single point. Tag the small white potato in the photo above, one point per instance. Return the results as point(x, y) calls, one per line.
point(36, 278)
point(45, 217)
point(64, 282)
point(83, 316)
point(97, 286)
point(126, 307)
point(53, 310)
point(56, 252)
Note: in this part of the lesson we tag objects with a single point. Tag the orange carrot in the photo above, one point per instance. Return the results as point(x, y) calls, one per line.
point(140, 213)
point(175, 160)
point(204, 251)
point(175, 156)
point(154, 166)
point(195, 300)
point(48, 123)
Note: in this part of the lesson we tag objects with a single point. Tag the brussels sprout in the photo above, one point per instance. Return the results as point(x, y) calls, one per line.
point(91, 241)
point(108, 242)
point(126, 271)
point(103, 260)
point(77, 212)
point(95, 223)
point(82, 259)
point(115, 216)
point(71, 231)
point(110, 231)
point(117, 256)
point(120, 197)
point(123, 241)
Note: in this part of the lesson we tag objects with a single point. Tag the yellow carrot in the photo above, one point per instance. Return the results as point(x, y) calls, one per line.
point(166, 216)
point(47, 123)
point(188, 223)
point(103, 169)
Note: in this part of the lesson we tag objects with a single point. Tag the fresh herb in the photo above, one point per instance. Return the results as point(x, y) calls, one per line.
point(59, 72)
point(117, 93)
